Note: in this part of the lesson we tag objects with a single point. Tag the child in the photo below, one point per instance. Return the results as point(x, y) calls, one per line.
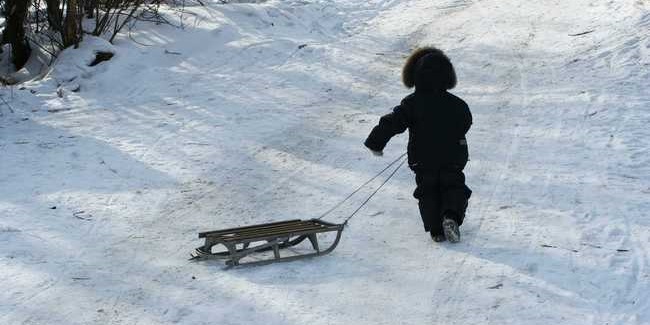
point(437, 148)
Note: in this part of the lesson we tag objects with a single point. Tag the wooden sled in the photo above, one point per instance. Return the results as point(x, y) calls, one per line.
point(267, 237)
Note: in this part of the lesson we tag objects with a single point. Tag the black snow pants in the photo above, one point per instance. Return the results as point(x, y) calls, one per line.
point(441, 192)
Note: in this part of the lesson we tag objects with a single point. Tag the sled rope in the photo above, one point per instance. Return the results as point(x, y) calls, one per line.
point(375, 192)
point(401, 157)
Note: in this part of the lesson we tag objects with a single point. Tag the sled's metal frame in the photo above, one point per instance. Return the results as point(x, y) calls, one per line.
point(275, 236)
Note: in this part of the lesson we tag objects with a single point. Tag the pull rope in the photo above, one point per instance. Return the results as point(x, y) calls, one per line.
point(364, 185)
point(375, 192)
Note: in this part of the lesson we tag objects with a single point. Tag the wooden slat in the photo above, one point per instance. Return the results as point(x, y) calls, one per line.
point(278, 228)
point(271, 227)
point(270, 230)
point(230, 230)
point(265, 234)
point(275, 236)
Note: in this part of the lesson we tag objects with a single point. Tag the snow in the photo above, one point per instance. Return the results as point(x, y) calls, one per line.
point(256, 111)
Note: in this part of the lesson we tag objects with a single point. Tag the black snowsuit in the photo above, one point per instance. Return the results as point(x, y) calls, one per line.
point(437, 151)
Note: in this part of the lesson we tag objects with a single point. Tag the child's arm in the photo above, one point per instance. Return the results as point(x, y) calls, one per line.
point(467, 123)
point(389, 125)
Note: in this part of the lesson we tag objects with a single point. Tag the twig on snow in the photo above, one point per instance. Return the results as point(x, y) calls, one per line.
point(621, 250)
point(583, 33)
point(552, 246)
point(497, 286)
point(172, 52)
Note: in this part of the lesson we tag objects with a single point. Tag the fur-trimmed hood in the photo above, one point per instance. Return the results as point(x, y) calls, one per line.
point(428, 68)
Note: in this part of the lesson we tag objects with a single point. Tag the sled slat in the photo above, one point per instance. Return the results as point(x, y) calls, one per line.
point(266, 225)
point(265, 234)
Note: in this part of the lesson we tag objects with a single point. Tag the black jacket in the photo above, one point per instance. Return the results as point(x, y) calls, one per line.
point(437, 123)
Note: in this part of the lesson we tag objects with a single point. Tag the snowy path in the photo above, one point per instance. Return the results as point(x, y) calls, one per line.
point(260, 117)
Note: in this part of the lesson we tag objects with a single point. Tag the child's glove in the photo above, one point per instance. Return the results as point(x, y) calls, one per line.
point(377, 153)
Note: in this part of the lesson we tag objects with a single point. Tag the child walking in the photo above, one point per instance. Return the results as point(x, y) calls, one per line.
point(437, 148)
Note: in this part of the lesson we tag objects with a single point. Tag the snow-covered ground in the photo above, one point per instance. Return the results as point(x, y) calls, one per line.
point(256, 112)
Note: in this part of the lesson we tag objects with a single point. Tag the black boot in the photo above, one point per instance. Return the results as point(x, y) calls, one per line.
point(438, 238)
point(450, 227)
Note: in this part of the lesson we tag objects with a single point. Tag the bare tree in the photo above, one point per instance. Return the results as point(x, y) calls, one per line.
point(58, 24)
point(54, 14)
point(72, 33)
point(89, 7)
point(113, 15)
point(14, 32)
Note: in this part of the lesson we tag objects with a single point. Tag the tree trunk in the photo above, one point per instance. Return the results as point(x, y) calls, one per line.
point(72, 24)
point(89, 8)
point(54, 14)
point(14, 32)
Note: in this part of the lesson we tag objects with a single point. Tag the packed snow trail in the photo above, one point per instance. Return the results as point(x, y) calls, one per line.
point(256, 112)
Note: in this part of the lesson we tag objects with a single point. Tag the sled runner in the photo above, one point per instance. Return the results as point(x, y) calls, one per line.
point(252, 240)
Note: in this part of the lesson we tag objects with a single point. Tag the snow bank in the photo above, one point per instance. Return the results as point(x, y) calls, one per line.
point(73, 65)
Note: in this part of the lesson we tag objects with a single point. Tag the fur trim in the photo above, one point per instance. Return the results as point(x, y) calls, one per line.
point(428, 68)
